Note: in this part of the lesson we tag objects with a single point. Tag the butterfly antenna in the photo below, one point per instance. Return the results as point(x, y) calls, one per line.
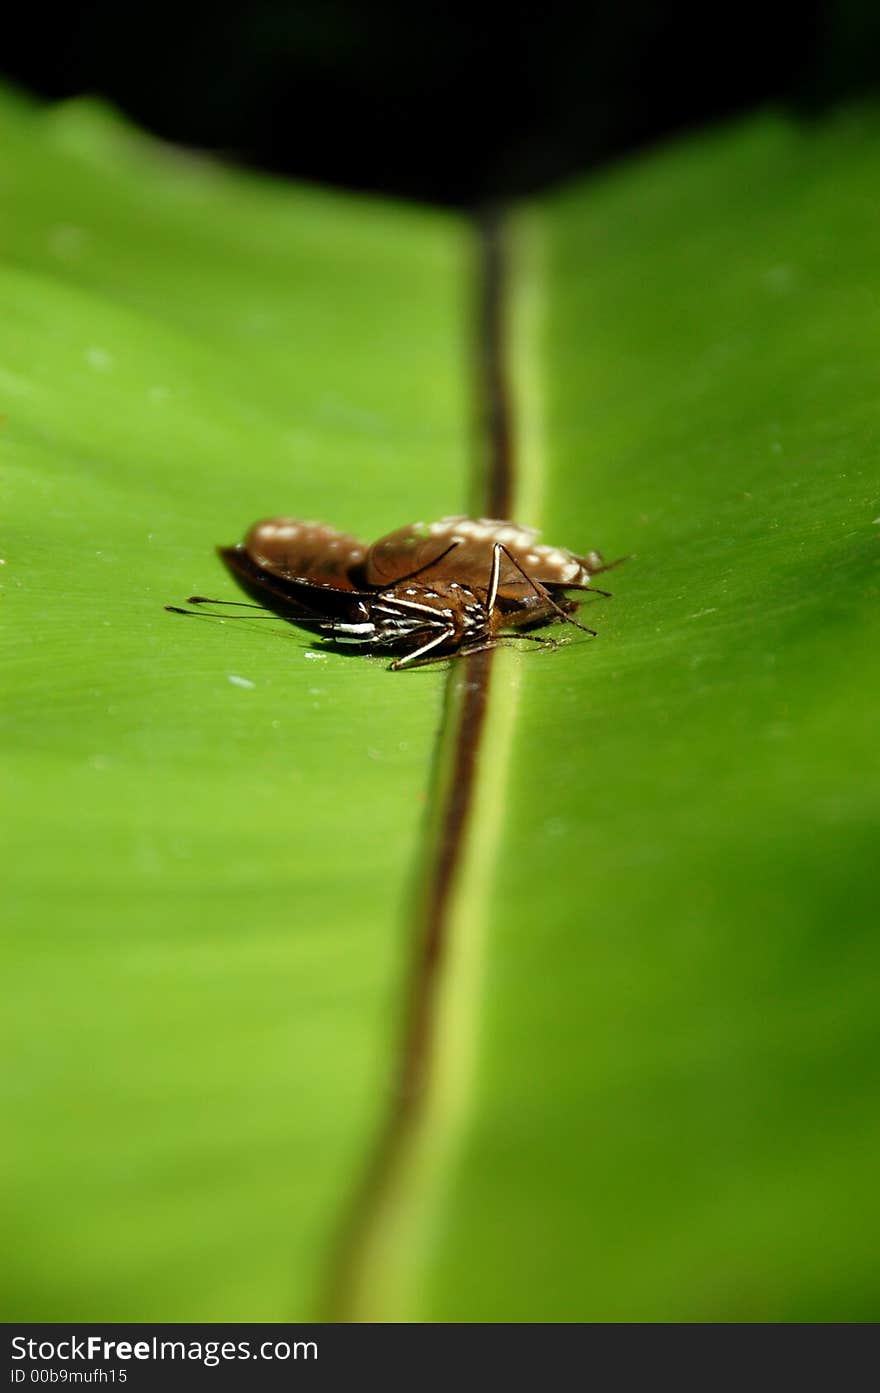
point(212, 614)
point(205, 600)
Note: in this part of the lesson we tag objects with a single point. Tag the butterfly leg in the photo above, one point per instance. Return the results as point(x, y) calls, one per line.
point(502, 641)
point(494, 577)
point(416, 659)
point(536, 585)
point(459, 653)
point(532, 638)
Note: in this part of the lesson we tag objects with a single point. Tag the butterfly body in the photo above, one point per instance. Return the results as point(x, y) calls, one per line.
point(424, 592)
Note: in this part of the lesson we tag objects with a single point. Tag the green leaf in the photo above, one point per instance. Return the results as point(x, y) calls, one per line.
point(653, 1048)
point(660, 1102)
point(210, 827)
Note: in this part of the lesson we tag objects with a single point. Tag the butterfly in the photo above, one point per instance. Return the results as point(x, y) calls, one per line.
point(426, 592)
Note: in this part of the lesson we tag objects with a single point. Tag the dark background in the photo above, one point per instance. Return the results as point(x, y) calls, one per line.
point(438, 101)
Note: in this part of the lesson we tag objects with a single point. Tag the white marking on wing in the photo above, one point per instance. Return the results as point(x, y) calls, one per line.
point(557, 558)
point(413, 604)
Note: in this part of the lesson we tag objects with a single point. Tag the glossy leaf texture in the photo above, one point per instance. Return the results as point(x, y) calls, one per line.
point(669, 1110)
point(655, 1044)
point(209, 827)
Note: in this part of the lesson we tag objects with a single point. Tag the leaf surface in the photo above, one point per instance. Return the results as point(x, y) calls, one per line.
point(667, 1108)
point(211, 826)
point(654, 1049)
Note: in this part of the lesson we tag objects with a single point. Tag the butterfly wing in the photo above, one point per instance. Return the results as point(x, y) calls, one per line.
point(461, 548)
point(305, 551)
point(409, 551)
point(456, 548)
point(302, 601)
point(298, 568)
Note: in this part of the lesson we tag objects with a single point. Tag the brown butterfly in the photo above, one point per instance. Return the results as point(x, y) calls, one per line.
point(428, 591)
